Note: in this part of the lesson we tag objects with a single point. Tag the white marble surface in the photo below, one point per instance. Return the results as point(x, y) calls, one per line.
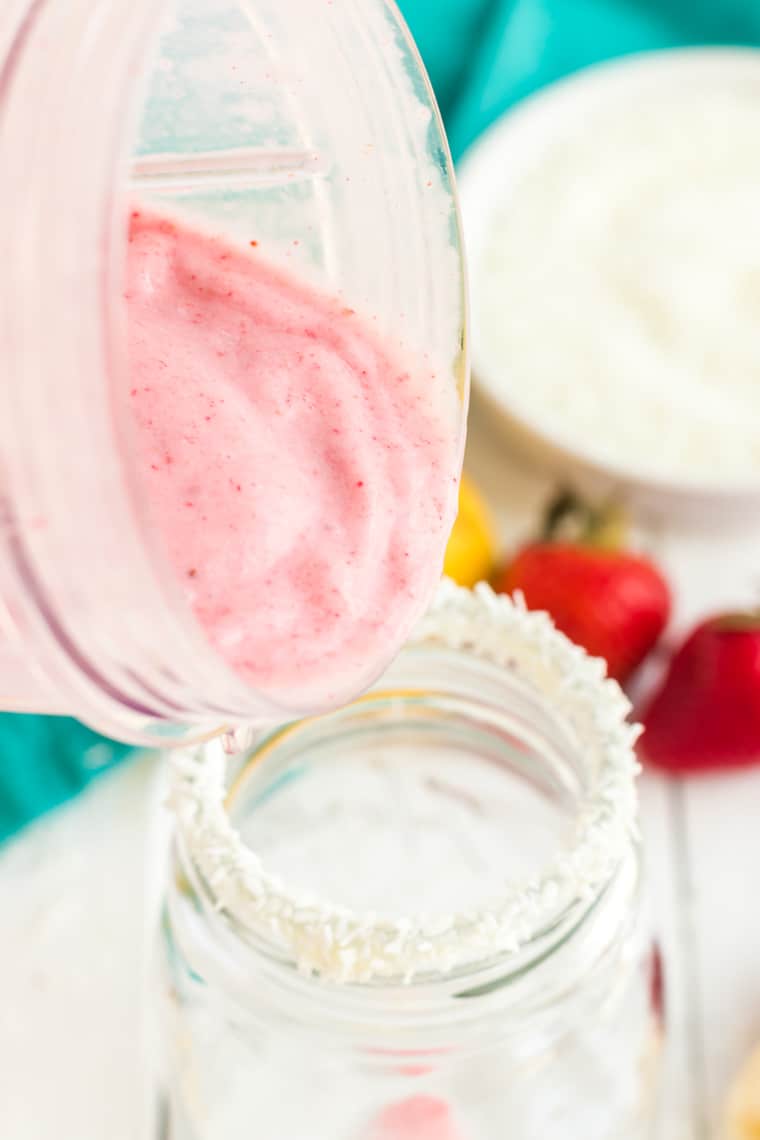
point(702, 835)
point(77, 897)
point(74, 902)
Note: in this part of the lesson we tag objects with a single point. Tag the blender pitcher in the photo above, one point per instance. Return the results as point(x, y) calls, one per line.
point(305, 128)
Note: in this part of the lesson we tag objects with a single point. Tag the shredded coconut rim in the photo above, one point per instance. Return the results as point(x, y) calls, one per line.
point(353, 946)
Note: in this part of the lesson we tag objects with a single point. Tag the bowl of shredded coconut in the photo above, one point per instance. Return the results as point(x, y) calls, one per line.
point(613, 231)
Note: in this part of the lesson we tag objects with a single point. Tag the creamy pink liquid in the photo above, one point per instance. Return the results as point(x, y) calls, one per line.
point(301, 476)
point(418, 1118)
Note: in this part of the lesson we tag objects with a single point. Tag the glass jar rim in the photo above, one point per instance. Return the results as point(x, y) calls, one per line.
point(347, 945)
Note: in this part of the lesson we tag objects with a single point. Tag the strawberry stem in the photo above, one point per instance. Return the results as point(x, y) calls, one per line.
point(738, 622)
point(570, 518)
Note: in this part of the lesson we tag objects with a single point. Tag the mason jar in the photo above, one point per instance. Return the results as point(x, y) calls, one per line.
point(422, 915)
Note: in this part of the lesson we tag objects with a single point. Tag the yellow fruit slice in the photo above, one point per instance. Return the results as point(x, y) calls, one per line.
point(743, 1108)
point(471, 548)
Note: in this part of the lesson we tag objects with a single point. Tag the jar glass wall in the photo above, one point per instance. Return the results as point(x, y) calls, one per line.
point(452, 983)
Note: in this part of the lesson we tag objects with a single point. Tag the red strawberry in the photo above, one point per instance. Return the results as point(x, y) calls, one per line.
point(706, 714)
point(612, 602)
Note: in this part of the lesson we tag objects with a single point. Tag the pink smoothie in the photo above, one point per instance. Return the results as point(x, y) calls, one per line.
point(301, 475)
point(418, 1118)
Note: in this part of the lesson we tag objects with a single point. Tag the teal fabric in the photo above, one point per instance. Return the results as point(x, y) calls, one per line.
point(483, 56)
point(44, 761)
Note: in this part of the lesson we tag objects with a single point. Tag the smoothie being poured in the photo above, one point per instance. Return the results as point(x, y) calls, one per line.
point(301, 474)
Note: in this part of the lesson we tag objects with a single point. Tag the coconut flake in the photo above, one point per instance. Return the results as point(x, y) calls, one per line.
point(346, 945)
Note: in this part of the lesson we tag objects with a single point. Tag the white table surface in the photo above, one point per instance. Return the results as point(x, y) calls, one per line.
point(77, 895)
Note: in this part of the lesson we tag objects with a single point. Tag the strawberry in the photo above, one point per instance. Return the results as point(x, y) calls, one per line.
point(610, 601)
point(706, 714)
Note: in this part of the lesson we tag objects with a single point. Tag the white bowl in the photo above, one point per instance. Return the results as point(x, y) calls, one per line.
point(489, 174)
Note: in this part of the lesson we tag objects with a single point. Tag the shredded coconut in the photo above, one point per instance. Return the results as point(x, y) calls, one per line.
point(617, 294)
point(350, 945)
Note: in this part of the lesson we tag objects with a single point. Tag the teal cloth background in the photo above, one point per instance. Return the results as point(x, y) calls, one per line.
point(45, 760)
point(483, 56)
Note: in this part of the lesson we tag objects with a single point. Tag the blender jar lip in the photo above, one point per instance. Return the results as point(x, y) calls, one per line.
point(348, 946)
